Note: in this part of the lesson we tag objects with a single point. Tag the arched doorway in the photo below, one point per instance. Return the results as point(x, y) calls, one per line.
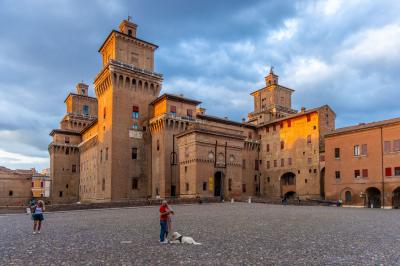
point(396, 198)
point(322, 183)
point(218, 184)
point(373, 197)
point(291, 195)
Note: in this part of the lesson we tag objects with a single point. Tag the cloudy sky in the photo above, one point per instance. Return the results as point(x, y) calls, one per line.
point(342, 53)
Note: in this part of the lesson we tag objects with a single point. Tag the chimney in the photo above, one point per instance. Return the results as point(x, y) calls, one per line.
point(303, 109)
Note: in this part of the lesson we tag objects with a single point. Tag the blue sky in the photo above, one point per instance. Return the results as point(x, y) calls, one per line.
point(342, 53)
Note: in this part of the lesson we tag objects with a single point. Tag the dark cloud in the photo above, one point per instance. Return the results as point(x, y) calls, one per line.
point(336, 52)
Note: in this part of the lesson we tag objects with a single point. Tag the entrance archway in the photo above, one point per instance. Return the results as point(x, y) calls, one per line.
point(291, 195)
point(373, 197)
point(322, 183)
point(396, 198)
point(218, 184)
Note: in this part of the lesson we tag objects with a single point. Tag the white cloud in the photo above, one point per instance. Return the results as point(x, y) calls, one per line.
point(7, 158)
point(286, 32)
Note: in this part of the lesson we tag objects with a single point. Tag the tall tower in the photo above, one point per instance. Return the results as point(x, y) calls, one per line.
point(272, 101)
point(125, 87)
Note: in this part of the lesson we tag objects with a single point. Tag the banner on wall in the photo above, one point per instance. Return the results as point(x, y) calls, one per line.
point(211, 184)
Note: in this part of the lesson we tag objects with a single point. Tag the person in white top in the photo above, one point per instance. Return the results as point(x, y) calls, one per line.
point(37, 215)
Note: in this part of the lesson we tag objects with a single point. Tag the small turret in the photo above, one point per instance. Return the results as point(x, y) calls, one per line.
point(82, 89)
point(128, 27)
point(271, 79)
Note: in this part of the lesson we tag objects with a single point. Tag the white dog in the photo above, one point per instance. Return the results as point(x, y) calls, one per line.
point(178, 238)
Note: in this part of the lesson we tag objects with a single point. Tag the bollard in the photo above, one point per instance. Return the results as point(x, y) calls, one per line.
point(232, 200)
point(249, 200)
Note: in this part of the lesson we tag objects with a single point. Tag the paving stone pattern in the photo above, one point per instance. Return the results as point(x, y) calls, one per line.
point(232, 234)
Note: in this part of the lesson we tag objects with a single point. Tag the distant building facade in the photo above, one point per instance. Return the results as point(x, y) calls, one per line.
point(41, 185)
point(15, 186)
point(129, 142)
point(363, 164)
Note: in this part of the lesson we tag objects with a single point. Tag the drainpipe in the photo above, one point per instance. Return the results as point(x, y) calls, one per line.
point(383, 178)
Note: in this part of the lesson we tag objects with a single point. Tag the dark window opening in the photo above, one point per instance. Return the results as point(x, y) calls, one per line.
point(135, 184)
point(134, 153)
point(337, 153)
point(230, 184)
point(74, 168)
point(187, 186)
point(135, 112)
point(244, 188)
point(337, 174)
point(10, 193)
point(204, 186)
point(60, 194)
point(388, 171)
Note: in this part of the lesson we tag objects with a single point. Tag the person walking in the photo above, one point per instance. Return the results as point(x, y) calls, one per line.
point(37, 215)
point(164, 218)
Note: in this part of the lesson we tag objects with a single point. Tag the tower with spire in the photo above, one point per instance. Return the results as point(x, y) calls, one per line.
point(271, 102)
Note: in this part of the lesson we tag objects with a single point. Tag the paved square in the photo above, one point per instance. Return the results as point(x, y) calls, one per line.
point(232, 234)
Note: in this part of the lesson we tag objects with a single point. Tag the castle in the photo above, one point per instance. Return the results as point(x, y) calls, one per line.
point(131, 142)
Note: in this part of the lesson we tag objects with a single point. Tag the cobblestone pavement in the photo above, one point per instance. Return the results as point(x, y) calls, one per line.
point(232, 234)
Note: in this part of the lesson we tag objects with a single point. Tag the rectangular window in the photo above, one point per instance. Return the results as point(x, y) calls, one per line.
point(244, 188)
point(189, 112)
point(274, 127)
point(267, 129)
point(204, 186)
point(289, 123)
point(308, 117)
point(104, 113)
point(337, 153)
point(357, 173)
point(309, 139)
point(396, 145)
point(66, 140)
point(106, 154)
point(230, 184)
point(282, 145)
point(356, 150)
point(256, 167)
point(337, 174)
point(364, 150)
point(101, 155)
point(275, 163)
point(134, 153)
point(388, 171)
point(397, 171)
point(267, 147)
point(387, 146)
point(135, 183)
point(244, 164)
point(309, 160)
point(60, 194)
point(268, 165)
point(364, 172)
point(250, 135)
point(74, 168)
point(33, 184)
point(135, 112)
point(173, 110)
point(187, 186)
point(85, 110)
point(41, 184)
point(289, 161)
point(282, 162)
point(103, 185)
point(135, 126)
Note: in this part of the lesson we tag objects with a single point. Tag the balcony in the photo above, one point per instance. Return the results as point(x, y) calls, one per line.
point(134, 68)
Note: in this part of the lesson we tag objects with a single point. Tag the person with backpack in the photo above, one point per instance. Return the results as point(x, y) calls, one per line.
point(37, 215)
